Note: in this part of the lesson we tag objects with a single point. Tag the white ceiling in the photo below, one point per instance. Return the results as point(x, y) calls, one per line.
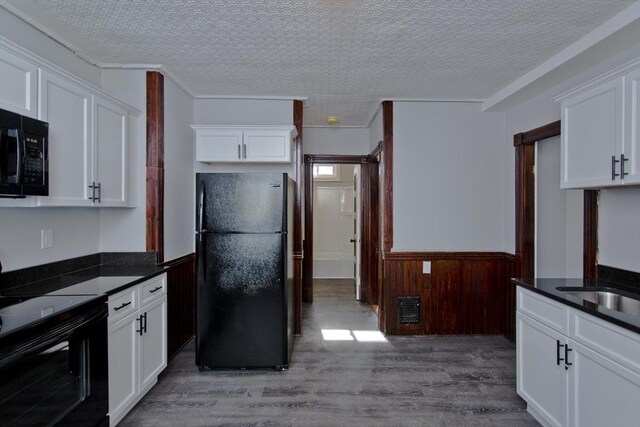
point(343, 55)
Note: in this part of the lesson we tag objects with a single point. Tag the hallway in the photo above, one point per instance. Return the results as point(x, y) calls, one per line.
point(352, 376)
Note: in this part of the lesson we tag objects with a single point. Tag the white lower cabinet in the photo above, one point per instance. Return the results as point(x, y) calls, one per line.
point(153, 343)
point(137, 344)
point(602, 392)
point(541, 381)
point(580, 371)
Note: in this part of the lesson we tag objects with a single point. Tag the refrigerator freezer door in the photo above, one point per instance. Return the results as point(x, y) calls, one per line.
point(241, 305)
point(241, 203)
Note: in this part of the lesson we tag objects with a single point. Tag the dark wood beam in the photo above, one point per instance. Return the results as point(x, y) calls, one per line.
point(155, 164)
point(298, 252)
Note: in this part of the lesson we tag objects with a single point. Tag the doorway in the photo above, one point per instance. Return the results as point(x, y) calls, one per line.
point(335, 223)
point(354, 209)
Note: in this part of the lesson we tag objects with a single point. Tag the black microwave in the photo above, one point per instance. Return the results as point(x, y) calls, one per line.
point(24, 166)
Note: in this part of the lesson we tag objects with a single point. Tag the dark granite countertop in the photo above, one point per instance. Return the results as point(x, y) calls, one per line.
point(105, 275)
point(547, 287)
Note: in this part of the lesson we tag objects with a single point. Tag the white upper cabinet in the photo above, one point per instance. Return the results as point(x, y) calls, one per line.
point(267, 145)
point(67, 108)
point(600, 131)
point(219, 145)
point(632, 126)
point(18, 84)
point(243, 144)
point(89, 131)
point(110, 145)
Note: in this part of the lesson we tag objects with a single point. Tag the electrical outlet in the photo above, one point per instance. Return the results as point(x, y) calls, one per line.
point(426, 267)
point(46, 239)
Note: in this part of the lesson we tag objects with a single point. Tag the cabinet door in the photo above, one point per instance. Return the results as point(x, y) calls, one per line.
point(67, 108)
point(632, 127)
point(540, 380)
point(591, 135)
point(153, 343)
point(18, 84)
point(219, 145)
point(603, 393)
point(110, 152)
point(269, 146)
point(123, 366)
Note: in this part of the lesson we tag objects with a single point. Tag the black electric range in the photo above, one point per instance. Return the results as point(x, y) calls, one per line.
point(53, 360)
point(20, 313)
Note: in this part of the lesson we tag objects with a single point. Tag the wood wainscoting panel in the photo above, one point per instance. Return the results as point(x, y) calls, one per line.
point(181, 288)
point(405, 279)
point(466, 292)
point(446, 315)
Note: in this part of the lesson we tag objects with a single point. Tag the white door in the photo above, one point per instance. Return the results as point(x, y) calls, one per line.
point(67, 108)
point(110, 156)
point(541, 381)
point(153, 345)
point(600, 388)
point(357, 229)
point(123, 365)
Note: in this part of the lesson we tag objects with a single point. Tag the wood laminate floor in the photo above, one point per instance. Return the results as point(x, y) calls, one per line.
point(368, 381)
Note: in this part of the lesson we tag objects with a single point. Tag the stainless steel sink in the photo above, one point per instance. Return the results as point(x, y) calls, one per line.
point(605, 297)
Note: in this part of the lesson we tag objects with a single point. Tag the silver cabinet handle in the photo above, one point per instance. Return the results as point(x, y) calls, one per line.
point(99, 188)
point(239, 157)
point(244, 151)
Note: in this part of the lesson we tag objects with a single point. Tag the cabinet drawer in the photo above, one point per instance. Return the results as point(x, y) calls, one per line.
point(614, 342)
point(551, 313)
point(153, 289)
point(123, 303)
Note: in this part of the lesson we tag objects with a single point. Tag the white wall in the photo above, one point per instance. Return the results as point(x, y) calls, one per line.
point(336, 140)
point(539, 110)
point(375, 130)
point(448, 170)
point(208, 111)
point(75, 233)
point(179, 196)
point(619, 232)
point(242, 112)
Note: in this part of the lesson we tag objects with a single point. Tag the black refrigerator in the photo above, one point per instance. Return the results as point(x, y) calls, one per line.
point(244, 270)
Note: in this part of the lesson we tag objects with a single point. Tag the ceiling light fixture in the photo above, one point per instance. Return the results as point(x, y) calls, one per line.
point(332, 120)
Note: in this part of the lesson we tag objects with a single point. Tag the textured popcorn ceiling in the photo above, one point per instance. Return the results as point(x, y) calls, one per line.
point(344, 55)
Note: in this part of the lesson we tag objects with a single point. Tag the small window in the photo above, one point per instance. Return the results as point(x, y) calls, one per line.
point(326, 172)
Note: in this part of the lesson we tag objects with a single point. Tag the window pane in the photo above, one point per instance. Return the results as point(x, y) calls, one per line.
point(325, 171)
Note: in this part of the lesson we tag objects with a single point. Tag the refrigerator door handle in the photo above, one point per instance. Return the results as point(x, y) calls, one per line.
point(200, 207)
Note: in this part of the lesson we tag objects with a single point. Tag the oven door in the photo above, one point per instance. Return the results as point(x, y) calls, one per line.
point(58, 377)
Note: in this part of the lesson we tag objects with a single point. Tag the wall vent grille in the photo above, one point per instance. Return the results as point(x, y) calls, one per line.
point(408, 310)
